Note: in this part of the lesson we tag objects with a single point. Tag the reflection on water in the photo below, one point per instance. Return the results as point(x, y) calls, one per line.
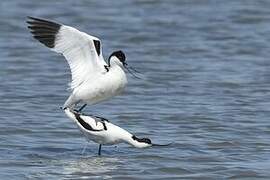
point(91, 167)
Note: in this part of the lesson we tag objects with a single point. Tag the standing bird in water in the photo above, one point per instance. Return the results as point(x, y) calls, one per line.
point(93, 80)
point(101, 131)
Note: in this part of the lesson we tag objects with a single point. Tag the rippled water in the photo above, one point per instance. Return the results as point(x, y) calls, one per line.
point(206, 88)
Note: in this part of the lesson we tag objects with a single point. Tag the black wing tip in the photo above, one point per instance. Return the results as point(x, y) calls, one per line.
point(31, 19)
point(34, 21)
point(43, 30)
point(35, 18)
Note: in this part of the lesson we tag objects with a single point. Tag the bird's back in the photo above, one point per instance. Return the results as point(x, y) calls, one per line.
point(97, 129)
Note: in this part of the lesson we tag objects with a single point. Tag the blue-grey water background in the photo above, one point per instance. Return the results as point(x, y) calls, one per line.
point(206, 88)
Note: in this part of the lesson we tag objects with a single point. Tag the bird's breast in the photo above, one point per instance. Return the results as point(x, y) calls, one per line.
point(103, 87)
point(117, 79)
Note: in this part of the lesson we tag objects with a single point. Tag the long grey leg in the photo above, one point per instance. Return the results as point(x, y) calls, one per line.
point(99, 150)
point(81, 108)
point(84, 148)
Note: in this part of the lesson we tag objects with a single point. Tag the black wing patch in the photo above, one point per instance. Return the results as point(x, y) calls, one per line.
point(103, 120)
point(104, 125)
point(97, 46)
point(44, 31)
point(84, 124)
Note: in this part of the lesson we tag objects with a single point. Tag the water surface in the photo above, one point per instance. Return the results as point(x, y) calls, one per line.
point(206, 89)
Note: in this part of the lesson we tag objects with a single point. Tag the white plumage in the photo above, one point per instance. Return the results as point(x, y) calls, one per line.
point(79, 50)
point(93, 80)
point(103, 132)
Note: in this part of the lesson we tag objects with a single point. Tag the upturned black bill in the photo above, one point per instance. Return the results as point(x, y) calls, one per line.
point(130, 69)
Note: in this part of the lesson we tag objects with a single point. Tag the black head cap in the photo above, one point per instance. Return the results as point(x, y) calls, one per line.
point(145, 140)
point(120, 55)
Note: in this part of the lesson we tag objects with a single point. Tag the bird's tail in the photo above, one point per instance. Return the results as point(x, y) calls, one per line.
point(70, 114)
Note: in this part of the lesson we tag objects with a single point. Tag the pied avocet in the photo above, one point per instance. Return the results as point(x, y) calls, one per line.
point(93, 80)
point(103, 132)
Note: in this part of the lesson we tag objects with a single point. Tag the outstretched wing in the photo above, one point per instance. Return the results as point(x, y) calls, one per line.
point(82, 51)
